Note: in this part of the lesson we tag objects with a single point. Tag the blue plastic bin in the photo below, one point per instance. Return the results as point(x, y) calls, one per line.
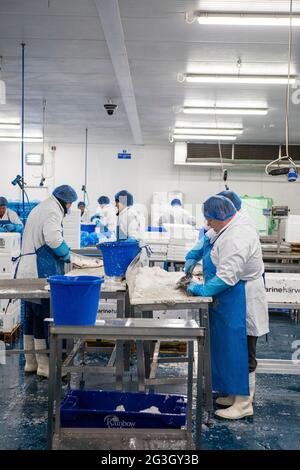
point(156, 229)
point(90, 228)
point(96, 409)
point(117, 256)
point(75, 299)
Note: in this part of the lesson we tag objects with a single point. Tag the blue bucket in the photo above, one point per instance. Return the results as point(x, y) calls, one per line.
point(117, 256)
point(75, 299)
point(90, 228)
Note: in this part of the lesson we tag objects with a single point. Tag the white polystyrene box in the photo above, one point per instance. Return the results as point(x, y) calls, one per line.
point(292, 229)
point(11, 318)
point(7, 265)
point(173, 314)
point(71, 229)
point(10, 243)
point(6, 305)
point(107, 309)
point(283, 287)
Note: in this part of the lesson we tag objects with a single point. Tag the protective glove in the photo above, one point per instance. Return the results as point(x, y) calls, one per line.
point(62, 250)
point(95, 217)
point(18, 228)
point(10, 227)
point(66, 258)
point(190, 265)
point(2, 229)
point(213, 287)
point(196, 253)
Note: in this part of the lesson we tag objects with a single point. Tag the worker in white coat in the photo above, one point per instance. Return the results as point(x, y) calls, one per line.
point(175, 214)
point(106, 217)
point(130, 223)
point(44, 253)
point(9, 219)
point(233, 274)
point(84, 213)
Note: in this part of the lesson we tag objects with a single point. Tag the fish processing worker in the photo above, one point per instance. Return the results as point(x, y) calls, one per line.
point(106, 215)
point(175, 214)
point(129, 221)
point(44, 253)
point(84, 213)
point(233, 274)
point(9, 220)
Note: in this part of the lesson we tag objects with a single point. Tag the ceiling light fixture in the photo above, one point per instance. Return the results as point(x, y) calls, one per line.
point(203, 137)
point(231, 78)
point(19, 139)
point(10, 125)
point(245, 19)
point(207, 131)
point(224, 110)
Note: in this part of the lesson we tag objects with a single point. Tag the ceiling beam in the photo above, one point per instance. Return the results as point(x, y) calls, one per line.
point(110, 18)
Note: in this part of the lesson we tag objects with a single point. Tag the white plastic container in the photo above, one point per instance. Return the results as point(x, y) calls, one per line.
point(10, 319)
point(10, 243)
point(292, 229)
point(7, 265)
point(283, 287)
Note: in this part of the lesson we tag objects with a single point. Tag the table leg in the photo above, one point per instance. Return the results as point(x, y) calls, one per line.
point(207, 366)
point(190, 387)
point(199, 397)
point(140, 365)
point(119, 365)
point(58, 384)
point(51, 388)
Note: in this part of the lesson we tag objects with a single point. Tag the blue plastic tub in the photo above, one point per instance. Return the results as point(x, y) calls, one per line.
point(96, 409)
point(75, 299)
point(117, 256)
point(90, 228)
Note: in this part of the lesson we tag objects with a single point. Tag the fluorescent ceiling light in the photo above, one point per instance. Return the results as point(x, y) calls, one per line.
point(10, 125)
point(223, 110)
point(250, 79)
point(19, 139)
point(203, 137)
point(207, 131)
point(246, 19)
point(34, 158)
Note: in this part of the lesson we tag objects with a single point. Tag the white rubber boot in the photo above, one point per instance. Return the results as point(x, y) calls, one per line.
point(226, 401)
point(31, 363)
point(42, 358)
point(242, 405)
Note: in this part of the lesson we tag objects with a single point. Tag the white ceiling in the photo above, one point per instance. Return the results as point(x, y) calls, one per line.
point(69, 64)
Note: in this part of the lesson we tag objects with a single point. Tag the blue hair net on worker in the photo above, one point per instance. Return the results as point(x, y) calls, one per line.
point(3, 201)
point(65, 193)
point(218, 208)
point(81, 203)
point(103, 200)
point(175, 202)
point(234, 198)
point(124, 197)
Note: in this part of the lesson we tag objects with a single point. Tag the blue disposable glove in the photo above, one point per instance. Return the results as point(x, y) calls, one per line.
point(2, 229)
point(10, 227)
point(213, 287)
point(62, 250)
point(95, 217)
point(196, 253)
point(66, 258)
point(190, 265)
point(18, 228)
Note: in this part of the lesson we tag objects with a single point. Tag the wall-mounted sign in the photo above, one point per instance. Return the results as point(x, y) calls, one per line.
point(124, 155)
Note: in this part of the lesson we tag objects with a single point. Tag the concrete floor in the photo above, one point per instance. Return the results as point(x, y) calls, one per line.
point(275, 425)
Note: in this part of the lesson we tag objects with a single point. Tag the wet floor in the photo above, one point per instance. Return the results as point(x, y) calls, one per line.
point(275, 425)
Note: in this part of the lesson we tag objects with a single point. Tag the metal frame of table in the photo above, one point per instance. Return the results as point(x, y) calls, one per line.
point(147, 362)
point(130, 329)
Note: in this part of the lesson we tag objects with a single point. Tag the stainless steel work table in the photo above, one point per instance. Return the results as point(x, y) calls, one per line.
point(148, 360)
point(130, 329)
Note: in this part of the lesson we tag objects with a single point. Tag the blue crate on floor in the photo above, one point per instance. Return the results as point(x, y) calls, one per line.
point(97, 409)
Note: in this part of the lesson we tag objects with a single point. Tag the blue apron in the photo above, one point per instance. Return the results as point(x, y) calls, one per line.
point(228, 335)
point(48, 264)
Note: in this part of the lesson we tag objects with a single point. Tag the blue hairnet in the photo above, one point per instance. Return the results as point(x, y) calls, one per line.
point(234, 198)
point(81, 203)
point(218, 208)
point(176, 202)
point(66, 193)
point(3, 201)
point(124, 197)
point(103, 200)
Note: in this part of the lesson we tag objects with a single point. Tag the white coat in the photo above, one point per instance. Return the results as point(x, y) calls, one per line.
point(109, 217)
point(130, 223)
point(43, 227)
point(12, 216)
point(177, 215)
point(237, 256)
point(85, 218)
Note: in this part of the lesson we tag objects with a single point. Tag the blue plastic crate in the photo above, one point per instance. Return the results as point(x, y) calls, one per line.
point(156, 229)
point(97, 409)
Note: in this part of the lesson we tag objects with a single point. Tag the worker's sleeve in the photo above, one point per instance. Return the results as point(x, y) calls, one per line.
point(233, 255)
point(196, 253)
point(52, 230)
point(15, 219)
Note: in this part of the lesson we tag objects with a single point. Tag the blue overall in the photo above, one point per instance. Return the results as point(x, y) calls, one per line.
point(228, 336)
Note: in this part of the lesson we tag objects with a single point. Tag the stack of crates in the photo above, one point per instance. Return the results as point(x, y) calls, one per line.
point(10, 310)
point(71, 229)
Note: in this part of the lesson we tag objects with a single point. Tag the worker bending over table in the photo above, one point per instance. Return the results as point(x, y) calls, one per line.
point(9, 219)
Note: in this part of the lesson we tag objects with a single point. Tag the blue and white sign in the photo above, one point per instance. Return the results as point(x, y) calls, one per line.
point(124, 155)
